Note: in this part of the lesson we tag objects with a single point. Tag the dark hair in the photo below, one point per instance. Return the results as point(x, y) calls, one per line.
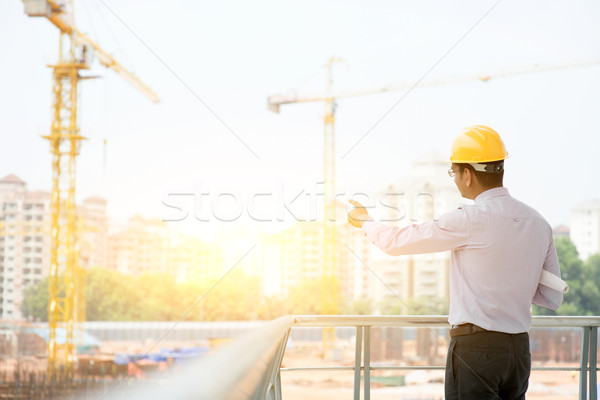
point(486, 179)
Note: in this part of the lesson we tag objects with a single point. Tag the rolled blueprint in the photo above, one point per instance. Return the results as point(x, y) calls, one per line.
point(553, 282)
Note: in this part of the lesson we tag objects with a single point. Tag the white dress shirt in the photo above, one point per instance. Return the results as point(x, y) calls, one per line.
point(498, 249)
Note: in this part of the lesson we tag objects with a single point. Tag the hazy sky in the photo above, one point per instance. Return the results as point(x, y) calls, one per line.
point(224, 58)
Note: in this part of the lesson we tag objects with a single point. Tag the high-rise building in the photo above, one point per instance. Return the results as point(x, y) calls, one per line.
point(24, 242)
point(291, 257)
point(585, 228)
point(296, 255)
point(150, 246)
point(141, 246)
point(93, 232)
point(356, 278)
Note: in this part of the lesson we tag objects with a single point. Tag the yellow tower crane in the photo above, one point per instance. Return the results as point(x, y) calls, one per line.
point(329, 293)
point(67, 278)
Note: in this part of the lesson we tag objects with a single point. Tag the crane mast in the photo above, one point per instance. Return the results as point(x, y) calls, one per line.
point(66, 291)
point(329, 286)
point(65, 142)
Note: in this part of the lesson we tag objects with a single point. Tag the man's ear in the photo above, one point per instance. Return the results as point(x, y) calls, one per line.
point(468, 177)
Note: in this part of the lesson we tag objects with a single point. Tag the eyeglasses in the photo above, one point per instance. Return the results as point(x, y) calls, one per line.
point(451, 173)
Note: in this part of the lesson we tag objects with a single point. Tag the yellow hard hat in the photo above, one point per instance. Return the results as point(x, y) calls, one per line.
point(478, 144)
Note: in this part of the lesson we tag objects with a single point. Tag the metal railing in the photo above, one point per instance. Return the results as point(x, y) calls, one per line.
point(363, 324)
point(250, 367)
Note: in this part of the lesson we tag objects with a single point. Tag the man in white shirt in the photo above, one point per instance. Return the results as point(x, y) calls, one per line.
point(499, 247)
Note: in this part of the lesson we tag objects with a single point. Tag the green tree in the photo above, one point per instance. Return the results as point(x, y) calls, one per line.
point(35, 301)
point(190, 298)
point(427, 305)
point(583, 280)
point(360, 306)
point(271, 308)
point(423, 305)
point(591, 268)
point(305, 298)
point(571, 266)
point(392, 306)
point(572, 271)
point(588, 298)
point(567, 309)
point(236, 297)
point(111, 296)
point(158, 297)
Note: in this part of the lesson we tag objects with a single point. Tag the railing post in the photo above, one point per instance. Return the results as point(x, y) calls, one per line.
point(585, 342)
point(357, 358)
point(367, 368)
point(593, 360)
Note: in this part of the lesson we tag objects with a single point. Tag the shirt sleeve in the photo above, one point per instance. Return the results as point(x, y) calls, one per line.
point(449, 232)
point(544, 296)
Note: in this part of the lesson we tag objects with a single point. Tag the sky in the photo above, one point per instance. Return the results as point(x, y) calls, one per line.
point(214, 64)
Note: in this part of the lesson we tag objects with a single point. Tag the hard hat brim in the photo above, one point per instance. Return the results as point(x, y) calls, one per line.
point(474, 162)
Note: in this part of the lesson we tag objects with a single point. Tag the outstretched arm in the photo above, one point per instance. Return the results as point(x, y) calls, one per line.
point(451, 231)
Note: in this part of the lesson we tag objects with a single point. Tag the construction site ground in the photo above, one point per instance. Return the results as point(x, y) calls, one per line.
point(418, 384)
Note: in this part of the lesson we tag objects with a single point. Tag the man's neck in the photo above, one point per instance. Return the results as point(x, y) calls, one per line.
point(479, 189)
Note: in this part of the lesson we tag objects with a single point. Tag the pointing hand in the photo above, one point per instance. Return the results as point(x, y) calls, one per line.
point(358, 215)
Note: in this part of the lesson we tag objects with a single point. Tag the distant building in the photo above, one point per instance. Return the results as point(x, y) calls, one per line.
point(93, 242)
point(25, 222)
point(296, 255)
point(24, 242)
point(585, 228)
point(355, 264)
point(141, 246)
point(293, 256)
point(148, 246)
point(560, 231)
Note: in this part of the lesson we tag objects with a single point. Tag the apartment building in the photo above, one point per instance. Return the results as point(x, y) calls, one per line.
point(93, 232)
point(296, 255)
point(585, 228)
point(24, 242)
point(140, 246)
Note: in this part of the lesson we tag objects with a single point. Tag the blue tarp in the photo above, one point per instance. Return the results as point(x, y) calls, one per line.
point(176, 355)
point(125, 359)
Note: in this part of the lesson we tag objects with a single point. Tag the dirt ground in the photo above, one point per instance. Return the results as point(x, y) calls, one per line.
point(419, 385)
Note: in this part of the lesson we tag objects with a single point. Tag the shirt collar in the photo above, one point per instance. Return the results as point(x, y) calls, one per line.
point(488, 194)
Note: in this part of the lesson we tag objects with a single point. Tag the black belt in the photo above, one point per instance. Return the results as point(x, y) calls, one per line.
point(465, 329)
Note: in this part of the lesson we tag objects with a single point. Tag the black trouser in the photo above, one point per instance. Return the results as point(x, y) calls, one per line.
point(488, 365)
